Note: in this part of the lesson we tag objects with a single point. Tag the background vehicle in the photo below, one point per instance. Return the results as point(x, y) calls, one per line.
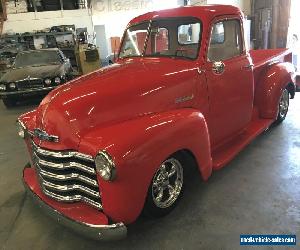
point(185, 89)
point(34, 72)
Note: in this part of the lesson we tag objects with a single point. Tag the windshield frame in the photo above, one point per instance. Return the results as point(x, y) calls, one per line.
point(151, 21)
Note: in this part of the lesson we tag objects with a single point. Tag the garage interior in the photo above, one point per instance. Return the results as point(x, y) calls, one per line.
point(257, 193)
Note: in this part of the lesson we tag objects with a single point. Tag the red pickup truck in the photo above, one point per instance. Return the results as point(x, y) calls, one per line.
point(115, 143)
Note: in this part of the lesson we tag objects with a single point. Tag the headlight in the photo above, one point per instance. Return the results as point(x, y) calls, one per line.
point(105, 166)
point(2, 87)
point(12, 85)
point(57, 80)
point(21, 129)
point(48, 81)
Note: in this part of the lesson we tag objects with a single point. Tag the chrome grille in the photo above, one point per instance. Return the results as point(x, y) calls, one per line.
point(30, 84)
point(67, 176)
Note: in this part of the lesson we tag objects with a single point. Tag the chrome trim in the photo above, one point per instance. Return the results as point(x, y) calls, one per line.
point(115, 231)
point(26, 91)
point(62, 166)
point(28, 78)
point(112, 166)
point(44, 136)
point(22, 124)
point(67, 188)
point(71, 198)
point(72, 176)
point(66, 184)
point(63, 154)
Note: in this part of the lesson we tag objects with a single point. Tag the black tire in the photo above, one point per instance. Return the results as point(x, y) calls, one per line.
point(9, 102)
point(153, 207)
point(283, 106)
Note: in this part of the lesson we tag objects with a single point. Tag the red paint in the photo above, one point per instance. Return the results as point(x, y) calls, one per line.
point(131, 110)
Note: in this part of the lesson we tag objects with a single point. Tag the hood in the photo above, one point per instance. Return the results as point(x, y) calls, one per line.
point(116, 93)
point(19, 74)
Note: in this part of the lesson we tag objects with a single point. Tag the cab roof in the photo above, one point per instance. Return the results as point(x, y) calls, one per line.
point(205, 12)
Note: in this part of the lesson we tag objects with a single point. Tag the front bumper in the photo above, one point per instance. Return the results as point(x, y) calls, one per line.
point(79, 217)
point(27, 92)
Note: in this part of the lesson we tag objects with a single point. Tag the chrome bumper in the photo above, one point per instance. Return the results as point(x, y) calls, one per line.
point(96, 232)
point(27, 91)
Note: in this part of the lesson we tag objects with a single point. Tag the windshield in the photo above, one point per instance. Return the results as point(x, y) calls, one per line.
point(37, 58)
point(170, 37)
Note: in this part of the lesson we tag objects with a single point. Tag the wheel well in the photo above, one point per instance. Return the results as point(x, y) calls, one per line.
point(190, 160)
point(291, 88)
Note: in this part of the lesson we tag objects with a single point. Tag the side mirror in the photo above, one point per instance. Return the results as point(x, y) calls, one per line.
point(218, 67)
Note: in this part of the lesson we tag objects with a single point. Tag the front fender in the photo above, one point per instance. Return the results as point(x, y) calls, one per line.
point(270, 87)
point(138, 147)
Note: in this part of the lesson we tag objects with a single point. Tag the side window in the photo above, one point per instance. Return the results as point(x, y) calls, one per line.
point(217, 34)
point(161, 40)
point(189, 34)
point(225, 41)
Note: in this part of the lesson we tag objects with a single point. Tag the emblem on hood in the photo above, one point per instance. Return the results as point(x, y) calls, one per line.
point(42, 135)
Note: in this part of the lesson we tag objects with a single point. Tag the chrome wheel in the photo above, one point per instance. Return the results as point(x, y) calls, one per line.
point(284, 104)
point(167, 183)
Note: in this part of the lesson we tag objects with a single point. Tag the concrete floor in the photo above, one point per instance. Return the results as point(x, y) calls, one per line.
point(258, 192)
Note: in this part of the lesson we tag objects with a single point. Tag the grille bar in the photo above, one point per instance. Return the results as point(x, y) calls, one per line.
point(67, 176)
point(62, 154)
point(68, 165)
point(66, 188)
point(70, 199)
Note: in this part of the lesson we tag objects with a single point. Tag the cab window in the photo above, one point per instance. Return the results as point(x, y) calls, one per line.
point(225, 41)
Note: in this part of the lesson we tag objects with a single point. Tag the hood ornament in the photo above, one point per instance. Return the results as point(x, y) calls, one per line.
point(42, 135)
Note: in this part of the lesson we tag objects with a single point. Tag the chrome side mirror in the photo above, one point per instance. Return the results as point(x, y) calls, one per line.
point(218, 67)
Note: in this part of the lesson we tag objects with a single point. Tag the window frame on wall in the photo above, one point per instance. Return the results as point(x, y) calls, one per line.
point(86, 3)
point(241, 38)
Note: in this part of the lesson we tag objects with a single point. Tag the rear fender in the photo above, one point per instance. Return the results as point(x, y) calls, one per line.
point(270, 86)
point(138, 147)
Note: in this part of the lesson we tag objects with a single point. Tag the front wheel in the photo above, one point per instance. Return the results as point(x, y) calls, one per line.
point(166, 188)
point(283, 107)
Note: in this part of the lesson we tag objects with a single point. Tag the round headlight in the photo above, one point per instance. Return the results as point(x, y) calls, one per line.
point(48, 81)
point(12, 85)
point(2, 87)
point(105, 166)
point(21, 129)
point(57, 80)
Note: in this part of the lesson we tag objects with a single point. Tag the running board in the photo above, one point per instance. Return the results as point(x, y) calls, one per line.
point(224, 154)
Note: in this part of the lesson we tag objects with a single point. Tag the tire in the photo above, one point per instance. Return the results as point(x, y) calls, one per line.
point(9, 103)
point(166, 187)
point(283, 106)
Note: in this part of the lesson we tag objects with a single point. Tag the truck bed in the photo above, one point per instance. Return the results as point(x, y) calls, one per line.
point(263, 58)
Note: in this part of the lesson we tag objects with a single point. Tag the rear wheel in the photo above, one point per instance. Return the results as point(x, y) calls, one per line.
point(283, 107)
point(166, 187)
point(9, 102)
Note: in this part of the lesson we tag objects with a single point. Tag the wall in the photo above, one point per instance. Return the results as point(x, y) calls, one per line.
point(28, 22)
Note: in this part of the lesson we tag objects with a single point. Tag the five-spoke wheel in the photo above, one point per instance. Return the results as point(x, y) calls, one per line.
point(166, 187)
point(283, 107)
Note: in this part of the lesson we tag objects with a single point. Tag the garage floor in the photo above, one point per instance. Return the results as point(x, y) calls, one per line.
point(258, 192)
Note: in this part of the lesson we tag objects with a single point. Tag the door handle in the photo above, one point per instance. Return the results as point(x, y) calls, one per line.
point(218, 67)
point(248, 67)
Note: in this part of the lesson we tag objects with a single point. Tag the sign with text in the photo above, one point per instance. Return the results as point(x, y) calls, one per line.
point(118, 5)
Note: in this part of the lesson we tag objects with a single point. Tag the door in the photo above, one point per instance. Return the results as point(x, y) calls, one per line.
point(229, 75)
